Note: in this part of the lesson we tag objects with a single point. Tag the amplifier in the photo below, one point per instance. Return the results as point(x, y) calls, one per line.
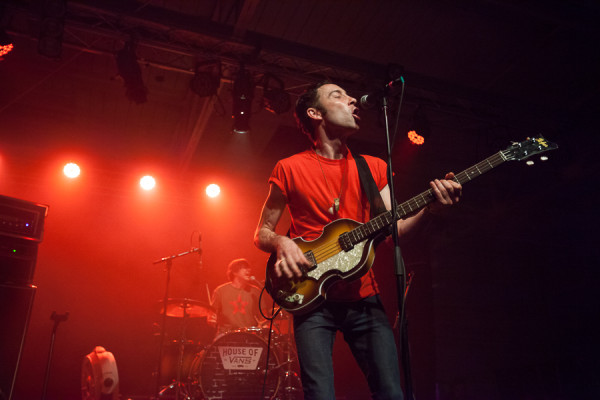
point(22, 219)
point(21, 231)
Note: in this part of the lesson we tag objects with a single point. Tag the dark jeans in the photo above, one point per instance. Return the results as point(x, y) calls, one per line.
point(367, 331)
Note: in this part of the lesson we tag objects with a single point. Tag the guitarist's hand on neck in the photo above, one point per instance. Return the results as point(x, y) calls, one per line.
point(447, 192)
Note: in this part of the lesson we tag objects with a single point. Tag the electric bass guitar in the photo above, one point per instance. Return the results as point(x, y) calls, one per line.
point(346, 248)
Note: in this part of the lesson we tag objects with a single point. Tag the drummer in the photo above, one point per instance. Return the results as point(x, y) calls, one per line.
point(236, 303)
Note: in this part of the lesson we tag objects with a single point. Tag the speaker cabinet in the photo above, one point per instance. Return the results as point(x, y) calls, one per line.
point(17, 260)
point(16, 303)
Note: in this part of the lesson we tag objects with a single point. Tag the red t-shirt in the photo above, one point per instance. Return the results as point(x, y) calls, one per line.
point(310, 183)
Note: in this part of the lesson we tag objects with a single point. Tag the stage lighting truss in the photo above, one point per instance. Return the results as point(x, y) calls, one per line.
point(207, 79)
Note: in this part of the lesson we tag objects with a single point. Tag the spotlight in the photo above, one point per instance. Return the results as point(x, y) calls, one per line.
point(415, 138)
point(213, 190)
point(418, 129)
point(71, 170)
point(207, 80)
point(6, 43)
point(243, 93)
point(275, 99)
point(130, 71)
point(147, 182)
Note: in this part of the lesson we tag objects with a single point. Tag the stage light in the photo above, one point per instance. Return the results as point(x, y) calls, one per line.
point(207, 80)
point(147, 182)
point(243, 93)
point(71, 170)
point(99, 376)
point(415, 138)
point(6, 43)
point(418, 129)
point(275, 99)
point(130, 71)
point(213, 190)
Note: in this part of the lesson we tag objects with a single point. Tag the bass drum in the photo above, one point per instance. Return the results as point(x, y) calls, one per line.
point(233, 368)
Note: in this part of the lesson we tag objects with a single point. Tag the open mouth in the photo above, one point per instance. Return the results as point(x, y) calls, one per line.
point(355, 114)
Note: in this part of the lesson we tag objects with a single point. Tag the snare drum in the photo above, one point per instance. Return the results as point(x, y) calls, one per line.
point(233, 368)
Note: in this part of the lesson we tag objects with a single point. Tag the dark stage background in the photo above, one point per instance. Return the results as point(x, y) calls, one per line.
point(503, 303)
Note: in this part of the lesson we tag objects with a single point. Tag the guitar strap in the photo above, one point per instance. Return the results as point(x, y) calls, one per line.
point(368, 184)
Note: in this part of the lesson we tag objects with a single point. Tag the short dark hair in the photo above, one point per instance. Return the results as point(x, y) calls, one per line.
point(308, 99)
point(235, 266)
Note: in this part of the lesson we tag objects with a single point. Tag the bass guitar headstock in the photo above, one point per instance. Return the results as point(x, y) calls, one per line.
point(531, 146)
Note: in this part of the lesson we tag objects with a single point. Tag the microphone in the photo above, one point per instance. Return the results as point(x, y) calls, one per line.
point(253, 279)
point(370, 100)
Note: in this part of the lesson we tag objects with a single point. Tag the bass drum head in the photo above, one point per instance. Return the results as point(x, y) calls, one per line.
point(233, 368)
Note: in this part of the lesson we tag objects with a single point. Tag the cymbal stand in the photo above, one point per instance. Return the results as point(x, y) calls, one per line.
point(163, 327)
point(169, 263)
point(178, 384)
point(292, 389)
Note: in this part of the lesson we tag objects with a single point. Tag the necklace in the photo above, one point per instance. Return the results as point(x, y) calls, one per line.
point(336, 200)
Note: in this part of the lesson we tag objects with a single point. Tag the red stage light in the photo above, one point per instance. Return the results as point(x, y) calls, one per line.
point(5, 49)
point(415, 138)
point(6, 43)
point(71, 170)
point(147, 182)
point(213, 190)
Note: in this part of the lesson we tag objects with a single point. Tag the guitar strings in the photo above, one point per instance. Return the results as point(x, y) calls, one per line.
point(332, 248)
point(327, 250)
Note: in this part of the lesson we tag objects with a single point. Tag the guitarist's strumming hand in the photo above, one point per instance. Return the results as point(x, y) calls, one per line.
point(290, 258)
point(447, 192)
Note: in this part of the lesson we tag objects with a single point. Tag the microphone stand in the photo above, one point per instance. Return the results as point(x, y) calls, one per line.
point(399, 267)
point(57, 318)
point(169, 263)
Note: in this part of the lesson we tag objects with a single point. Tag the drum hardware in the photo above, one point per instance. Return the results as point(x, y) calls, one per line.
point(183, 307)
point(233, 368)
point(282, 340)
point(291, 385)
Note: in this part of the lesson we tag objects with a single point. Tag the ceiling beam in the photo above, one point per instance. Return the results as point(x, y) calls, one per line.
point(160, 33)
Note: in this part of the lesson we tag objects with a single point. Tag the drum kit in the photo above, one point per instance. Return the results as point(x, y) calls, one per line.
point(251, 363)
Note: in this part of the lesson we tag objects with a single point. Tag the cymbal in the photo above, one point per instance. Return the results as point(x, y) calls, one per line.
point(187, 307)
